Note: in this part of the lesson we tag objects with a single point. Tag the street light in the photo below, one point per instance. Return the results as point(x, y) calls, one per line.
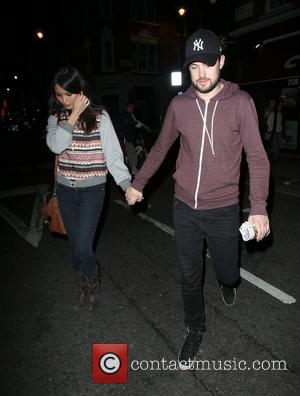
point(40, 35)
point(182, 14)
point(182, 11)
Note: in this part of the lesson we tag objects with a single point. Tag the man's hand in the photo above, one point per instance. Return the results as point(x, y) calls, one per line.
point(262, 226)
point(133, 196)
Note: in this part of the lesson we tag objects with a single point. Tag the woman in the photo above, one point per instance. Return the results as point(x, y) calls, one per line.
point(82, 136)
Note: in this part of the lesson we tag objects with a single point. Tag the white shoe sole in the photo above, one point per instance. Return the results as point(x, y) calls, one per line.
point(234, 298)
point(183, 366)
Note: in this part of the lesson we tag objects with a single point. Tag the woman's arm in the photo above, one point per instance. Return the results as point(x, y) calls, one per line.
point(113, 152)
point(59, 136)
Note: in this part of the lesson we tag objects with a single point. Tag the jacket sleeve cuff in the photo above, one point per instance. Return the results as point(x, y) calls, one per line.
point(124, 184)
point(67, 127)
point(137, 185)
point(258, 209)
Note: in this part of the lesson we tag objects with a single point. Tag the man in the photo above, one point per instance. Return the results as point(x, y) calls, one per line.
point(215, 121)
point(129, 128)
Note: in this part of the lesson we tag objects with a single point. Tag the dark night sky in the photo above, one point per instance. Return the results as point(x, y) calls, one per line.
point(62, 22)
point(23, 53)
point(19, 25)
point(58, 20)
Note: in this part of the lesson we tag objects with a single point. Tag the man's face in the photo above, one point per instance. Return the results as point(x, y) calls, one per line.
point(205, 78)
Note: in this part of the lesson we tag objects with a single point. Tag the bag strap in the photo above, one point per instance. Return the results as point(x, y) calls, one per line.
point(55, 172)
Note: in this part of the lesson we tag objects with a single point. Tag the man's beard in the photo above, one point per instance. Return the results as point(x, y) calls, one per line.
point(210, 88)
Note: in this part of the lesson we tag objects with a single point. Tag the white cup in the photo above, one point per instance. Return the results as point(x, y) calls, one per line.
point(248, 231)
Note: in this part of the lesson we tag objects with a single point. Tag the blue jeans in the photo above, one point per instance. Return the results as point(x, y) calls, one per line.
point(81, 210)
point(220, 228)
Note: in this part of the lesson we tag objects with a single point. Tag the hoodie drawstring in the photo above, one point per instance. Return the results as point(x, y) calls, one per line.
point(211, 134)
point(210, 139)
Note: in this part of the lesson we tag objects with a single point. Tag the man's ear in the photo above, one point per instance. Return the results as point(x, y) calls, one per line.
point(222, 61)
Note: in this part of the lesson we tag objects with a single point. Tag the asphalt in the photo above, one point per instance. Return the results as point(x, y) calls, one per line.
point(47, 345)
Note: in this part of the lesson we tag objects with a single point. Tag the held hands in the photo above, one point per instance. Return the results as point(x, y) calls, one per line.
point(262, 226)
point(133, 196)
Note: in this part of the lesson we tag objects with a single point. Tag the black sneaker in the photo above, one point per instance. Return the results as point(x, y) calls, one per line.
point(228, 295)
point(187, 355)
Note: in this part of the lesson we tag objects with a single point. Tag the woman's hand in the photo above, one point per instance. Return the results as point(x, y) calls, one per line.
point(80, 103)
point(133, 196)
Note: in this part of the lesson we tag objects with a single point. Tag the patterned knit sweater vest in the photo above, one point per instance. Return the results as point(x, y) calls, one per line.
point(84, 157)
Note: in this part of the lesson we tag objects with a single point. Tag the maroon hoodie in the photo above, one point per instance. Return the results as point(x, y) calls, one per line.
point(212, 134)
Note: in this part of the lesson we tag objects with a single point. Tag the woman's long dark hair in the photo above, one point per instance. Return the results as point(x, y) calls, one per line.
point(71, 80)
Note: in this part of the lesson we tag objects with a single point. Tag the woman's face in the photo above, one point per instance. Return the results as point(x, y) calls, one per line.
point(64, 97)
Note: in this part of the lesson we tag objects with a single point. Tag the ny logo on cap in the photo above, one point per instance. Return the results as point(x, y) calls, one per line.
point(198, 45)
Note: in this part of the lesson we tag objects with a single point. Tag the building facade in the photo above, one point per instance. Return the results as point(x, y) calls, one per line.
point(265, 37)
point(138, 44)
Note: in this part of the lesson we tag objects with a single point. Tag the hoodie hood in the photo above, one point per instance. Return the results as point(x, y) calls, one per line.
point(229, 89)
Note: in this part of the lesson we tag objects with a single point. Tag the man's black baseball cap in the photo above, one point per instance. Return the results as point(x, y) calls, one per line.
point(202, 46)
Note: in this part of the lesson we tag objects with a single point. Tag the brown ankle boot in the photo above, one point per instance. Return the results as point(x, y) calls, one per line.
point(93, 292)
point(81, 289)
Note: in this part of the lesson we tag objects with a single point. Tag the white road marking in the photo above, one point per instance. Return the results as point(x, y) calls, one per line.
point(287, 192)
point(291, 181)
point(158, 224)
point(33, 233)
point(274, 291)
point(248, 276)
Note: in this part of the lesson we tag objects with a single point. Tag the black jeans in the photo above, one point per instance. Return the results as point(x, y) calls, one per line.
point(81, 210)
point(220, 228)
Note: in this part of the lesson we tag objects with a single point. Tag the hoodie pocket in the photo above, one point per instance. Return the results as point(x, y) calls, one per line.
point(215, 175)
point(186, 176)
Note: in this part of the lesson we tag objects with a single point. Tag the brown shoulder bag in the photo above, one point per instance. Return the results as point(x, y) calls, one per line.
point(50, 210)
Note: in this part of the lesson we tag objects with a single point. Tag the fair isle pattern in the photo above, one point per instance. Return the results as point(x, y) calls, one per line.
point(84, 157)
